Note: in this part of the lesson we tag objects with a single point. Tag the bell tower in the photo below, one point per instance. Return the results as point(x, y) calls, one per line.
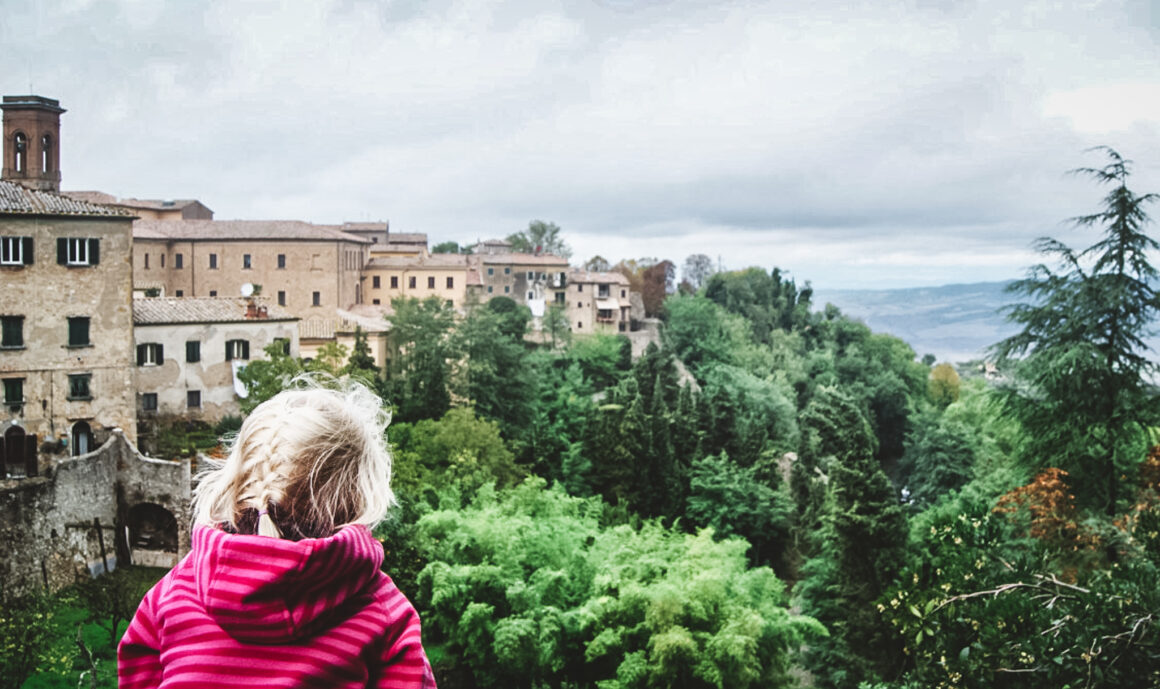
point(32, 142)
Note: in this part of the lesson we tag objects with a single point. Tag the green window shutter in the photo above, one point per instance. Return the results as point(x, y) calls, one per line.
point(229, 350)
point(246, 349)
point(62, 250)
point(193, 351)
point(94, 252)
point(140, 355)
point(160, 354)
point(27, 250)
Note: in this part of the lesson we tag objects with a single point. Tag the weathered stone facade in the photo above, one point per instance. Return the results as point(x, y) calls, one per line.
point(598, 303)
point(75, 519)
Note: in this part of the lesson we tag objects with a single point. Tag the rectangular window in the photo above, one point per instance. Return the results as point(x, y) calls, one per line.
point(622, 294)
point(579, 288)
point(78, 251)
point(178, 261)
point(376, 302)
point(16, 251)
point(162, 260)
point(316, 299)
point(213, 261)
point(192, 351)
point(491, 271)
point(281, 261)
point(13, 391)
point(149, 401)
point(507, 271)
point(237, 349)
point(431, 282)
point(560, 298)
point(213, 293)
point(375, 282)
point(281, 297)
point(146, 261)
point(411, 282)
point(193, 399)
point(531, 275)
point(450, 283)
point(150, 354)
point(13, 332)
point(602, 291)
point(179, 293)
point(394, 282)
point(246, 262)
point(507, 289)
point(78, 332)
point(78, 386)
point(285, 342)
point(531, 296)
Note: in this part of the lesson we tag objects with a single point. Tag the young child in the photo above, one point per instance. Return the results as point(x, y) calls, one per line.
point(282, 587)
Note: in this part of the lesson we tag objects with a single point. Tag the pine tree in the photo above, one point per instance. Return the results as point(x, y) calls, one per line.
point(1082, 392)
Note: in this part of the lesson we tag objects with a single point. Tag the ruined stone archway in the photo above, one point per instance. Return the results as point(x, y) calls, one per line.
point(151, 532)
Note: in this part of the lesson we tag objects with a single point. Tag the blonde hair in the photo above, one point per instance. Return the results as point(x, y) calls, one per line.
point(309, 460)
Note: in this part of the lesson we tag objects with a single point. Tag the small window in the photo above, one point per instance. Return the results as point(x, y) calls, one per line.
point(531, 275)
point(602, 291)
point(281, 297)
point(394, 282)
point(78, 386)
point(146, 261)
point(579, 325)
point(489, 289)
point(449, 303)
point(13, 391)
point(193, 399)
point(281, 261)
point(316, 299)
point(237, 349)
point(246, 262)
point(531, 295)
point(213, 293)
point(162, 260)
point(450, 283)
point(192, 351)
point(507, 271)
point(12, 328)
point(412, 282)
point(491, 271)
point(376, 282)
point(179, 293)
point(149, 401)
point(16, 251)
point(579, 288)
point(579, 304)
point(78, 251)
point(622, 294)
point(46, 153)
point(431, 282)
point(178, 261)
point(507, 289)
point(376, 302)
point(285, 342)
point(78, 332)
point(20, 144)
point(213, 261)
point(150, 354)
point(560, 298)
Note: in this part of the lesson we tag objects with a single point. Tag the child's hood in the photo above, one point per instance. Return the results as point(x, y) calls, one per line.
point(270, 590)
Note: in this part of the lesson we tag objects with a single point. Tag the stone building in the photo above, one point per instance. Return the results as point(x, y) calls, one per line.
point(526, 278)
point(189, 351)
point(310, 270)
point(422, 276)
point(66, 316)
point(598, 302)
point(148, 209)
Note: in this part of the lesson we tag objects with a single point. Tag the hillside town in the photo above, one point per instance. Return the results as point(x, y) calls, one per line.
point(122, 311)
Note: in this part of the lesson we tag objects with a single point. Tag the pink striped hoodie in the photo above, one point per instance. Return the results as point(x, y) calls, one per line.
point(245, 611)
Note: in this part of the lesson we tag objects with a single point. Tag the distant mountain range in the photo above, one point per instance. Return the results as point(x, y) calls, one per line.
point(953, 322)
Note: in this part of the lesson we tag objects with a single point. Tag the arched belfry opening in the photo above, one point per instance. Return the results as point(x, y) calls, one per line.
point(32, 141)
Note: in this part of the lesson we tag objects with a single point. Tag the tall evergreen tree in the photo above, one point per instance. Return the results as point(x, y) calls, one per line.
point(1083, 381)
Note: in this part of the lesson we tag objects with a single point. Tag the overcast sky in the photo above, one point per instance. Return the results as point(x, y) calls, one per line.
point(873, 144)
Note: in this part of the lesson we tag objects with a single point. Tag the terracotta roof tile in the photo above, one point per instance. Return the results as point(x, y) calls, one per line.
point(165, 310)
point(586, 277)
point(241, 229)
point(522, 259)
point(431, 261)
point(17, 199)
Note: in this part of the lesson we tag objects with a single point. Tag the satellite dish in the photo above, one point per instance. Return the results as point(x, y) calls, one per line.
point(248, 290)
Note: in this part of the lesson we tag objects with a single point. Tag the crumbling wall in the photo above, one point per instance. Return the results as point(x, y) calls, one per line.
point(70, 522)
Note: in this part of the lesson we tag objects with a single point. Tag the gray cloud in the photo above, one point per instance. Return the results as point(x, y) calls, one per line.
point(892, 143)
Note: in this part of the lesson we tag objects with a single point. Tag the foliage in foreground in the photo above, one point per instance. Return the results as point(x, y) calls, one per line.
point(527, 588)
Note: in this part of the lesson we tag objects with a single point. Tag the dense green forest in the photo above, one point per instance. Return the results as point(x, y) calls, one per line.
point(776, 496)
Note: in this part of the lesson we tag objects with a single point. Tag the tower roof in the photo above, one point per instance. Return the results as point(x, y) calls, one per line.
point(31, 103)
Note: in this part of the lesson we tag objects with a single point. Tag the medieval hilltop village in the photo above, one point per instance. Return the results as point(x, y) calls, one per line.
point(120, 312)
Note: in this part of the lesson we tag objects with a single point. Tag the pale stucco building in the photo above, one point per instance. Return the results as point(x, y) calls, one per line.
point(598, 302)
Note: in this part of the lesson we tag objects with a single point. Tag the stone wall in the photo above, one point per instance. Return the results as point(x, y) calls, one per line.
point(70, 522)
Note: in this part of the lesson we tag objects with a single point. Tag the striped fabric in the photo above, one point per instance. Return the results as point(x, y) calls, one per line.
point(246, 611)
